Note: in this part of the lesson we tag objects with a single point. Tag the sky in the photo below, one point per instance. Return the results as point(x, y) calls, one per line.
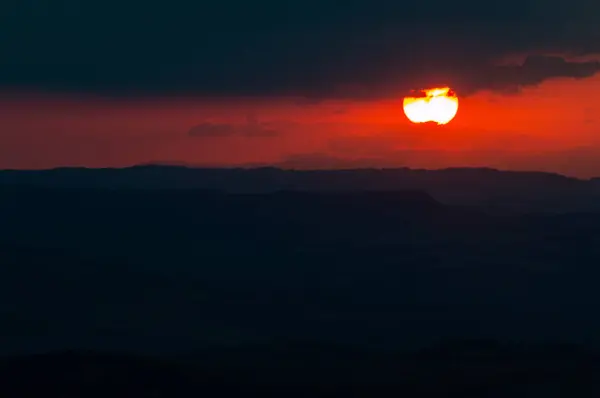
point(311, 84)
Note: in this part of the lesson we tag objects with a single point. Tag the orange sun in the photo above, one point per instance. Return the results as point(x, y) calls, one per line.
point(437, 105)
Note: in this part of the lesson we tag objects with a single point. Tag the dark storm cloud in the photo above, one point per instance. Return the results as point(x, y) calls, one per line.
point(534, 70)
point(253, 128)
point(314, 48)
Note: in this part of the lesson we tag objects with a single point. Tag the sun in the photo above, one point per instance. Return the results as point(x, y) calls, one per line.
point(437, 105)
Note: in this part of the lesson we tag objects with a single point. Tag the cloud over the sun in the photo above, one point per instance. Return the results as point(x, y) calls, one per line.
point(532, 71)
point(317, 48)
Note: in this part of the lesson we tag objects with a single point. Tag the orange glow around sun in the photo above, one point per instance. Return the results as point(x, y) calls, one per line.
point(437, 105)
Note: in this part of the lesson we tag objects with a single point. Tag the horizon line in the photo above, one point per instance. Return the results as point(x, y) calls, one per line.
point(259, 167)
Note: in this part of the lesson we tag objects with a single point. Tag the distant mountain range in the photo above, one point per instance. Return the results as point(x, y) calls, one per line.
point(488, 188)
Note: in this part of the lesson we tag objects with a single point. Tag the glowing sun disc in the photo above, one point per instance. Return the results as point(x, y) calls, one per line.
point(438, 105)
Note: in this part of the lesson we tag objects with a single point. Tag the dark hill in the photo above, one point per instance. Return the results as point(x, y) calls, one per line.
point(524, 191)
point(160, 270)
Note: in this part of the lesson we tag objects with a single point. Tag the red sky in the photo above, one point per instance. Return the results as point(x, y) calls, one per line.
point(550, 127)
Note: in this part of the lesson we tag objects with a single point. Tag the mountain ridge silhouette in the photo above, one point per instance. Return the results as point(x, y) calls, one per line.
point(495, 189)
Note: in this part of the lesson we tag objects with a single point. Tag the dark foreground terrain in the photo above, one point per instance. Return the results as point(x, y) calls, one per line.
point(217, 291)
point(452, 369)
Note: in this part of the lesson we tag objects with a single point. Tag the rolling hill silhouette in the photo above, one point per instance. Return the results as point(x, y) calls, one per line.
point(527, 191)
point(313, 276)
